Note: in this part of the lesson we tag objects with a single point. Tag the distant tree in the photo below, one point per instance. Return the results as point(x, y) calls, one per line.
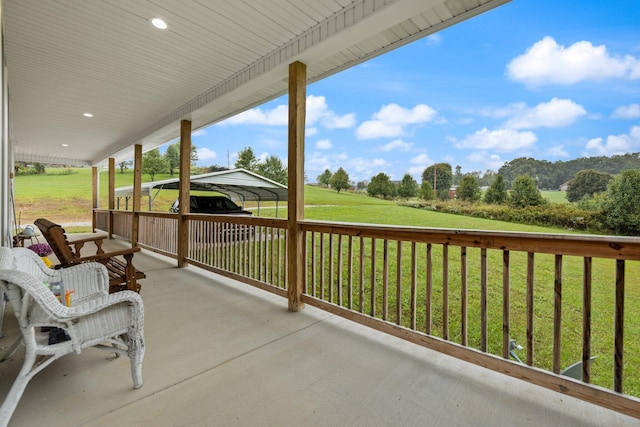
point(154, 163)
point(173, 157)
point(124, 165)
point(426, 191)
point(458, 175)
point(408, 186)
point(325, 177)
point(443, 179)
point(340, 180)
point(524, 193)
point(468, 189)
point(380, 186)
point(587, 183)
point(273, 169)
point(622, 206)
point(487, 178)
point(362, 185)
point(497, 192)
point(247, 160)
point(194, 155)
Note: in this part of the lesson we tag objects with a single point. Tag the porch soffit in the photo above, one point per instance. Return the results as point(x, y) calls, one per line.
point(217, 59)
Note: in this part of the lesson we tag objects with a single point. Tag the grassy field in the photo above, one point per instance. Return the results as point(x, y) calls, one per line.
point(555, 196)
point(70, 202)
point(65, 198)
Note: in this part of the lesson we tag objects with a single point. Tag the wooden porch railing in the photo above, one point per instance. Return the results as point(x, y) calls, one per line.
point(462, 293)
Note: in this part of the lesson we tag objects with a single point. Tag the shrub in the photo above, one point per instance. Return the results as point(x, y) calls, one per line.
point(524, 193)
point(622, 207)
point(469, 189)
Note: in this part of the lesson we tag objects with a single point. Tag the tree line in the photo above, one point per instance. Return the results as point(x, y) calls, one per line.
point(551, 175)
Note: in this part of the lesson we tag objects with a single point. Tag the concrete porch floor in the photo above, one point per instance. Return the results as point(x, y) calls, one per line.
point(221, 353)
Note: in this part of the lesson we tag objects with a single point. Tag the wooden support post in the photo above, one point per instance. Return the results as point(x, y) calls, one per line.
point(137, 193)
point(112, 195)
point(295, 242)
point(183, 192)
point(94, 196)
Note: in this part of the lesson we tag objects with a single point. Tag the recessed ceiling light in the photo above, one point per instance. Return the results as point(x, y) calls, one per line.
point(88, 115)
point(159, 23)
point(65, 145)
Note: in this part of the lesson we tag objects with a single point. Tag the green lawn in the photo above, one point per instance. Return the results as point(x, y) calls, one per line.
point(555, 196)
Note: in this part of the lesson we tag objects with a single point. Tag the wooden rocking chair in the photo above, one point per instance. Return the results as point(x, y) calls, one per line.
point(122, 273)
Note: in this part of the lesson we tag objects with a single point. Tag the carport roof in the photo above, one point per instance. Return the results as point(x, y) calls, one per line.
point(238, 184)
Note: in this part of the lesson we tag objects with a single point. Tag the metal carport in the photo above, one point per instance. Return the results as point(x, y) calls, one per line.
point(239, 185)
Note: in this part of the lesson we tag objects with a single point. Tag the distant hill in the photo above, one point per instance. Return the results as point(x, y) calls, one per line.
point(551, 175)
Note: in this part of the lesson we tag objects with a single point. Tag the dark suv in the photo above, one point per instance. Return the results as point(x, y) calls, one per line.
point(212, 205)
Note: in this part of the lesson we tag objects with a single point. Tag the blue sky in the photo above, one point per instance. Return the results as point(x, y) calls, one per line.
point(549, 79)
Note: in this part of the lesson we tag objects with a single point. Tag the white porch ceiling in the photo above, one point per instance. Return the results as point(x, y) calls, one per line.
point(216, 59)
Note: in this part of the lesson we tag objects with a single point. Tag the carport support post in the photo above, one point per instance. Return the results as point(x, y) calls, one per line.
point(184, 185)
point(295, 241)
point(137, 193)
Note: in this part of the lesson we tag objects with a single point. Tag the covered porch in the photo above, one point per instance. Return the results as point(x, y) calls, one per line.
point(371, 347)
point(222, 353)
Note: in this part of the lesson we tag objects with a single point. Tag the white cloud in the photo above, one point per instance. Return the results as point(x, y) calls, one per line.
point(501, 140)
point(317, 112)
point(488, 161)
point(392, 119)
point(421, 159)
point(433, 40)
point(396, 145)
point(324, 144)
point(199, 132)
point(558, 151)
point(310, 131)
point(627, 112)
point(552, 114)
point(615, 144)
point(206, 154)
point(278, 116)
point(547, 62)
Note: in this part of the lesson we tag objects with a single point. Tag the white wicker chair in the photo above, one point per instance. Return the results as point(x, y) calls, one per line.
point(112, 322)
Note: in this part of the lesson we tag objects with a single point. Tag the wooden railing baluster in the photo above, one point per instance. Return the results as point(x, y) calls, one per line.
point(385, 280)
point(506, 320)
point(350, 273)
point(463, 296)
point(618, 361)
point(557, 315)
point(414, 284)
point(484, 324)
point(373, 278)
point(529, 307)
point(428, 290)
point(399, 282)
point(586, 319)
point(445, 291)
